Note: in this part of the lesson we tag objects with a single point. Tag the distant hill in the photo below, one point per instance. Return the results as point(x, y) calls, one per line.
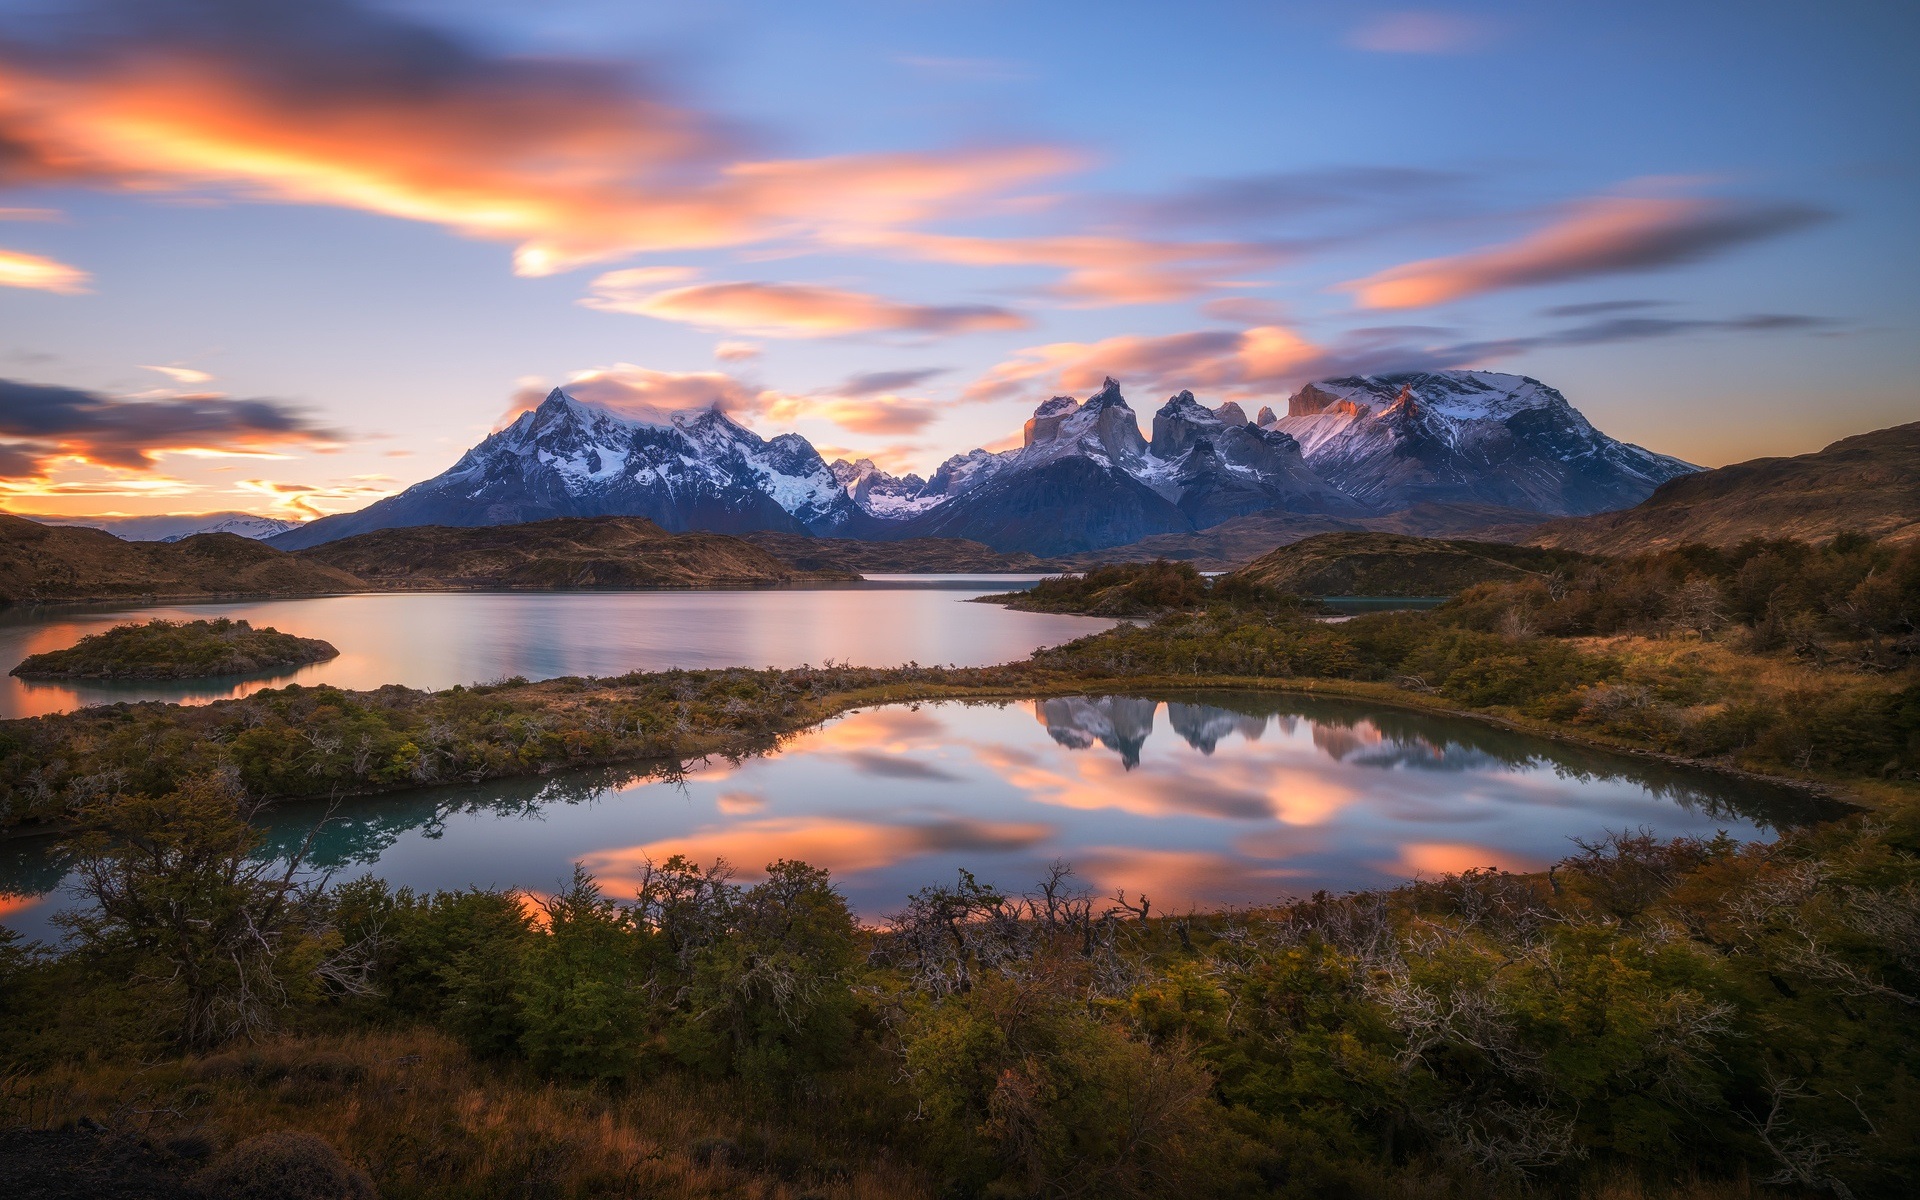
point(1388, 564)
point(1239, 541)
point(571, 552)
point(52, 562)
point(922, 555)
point(173, 527)
point(1865, 484)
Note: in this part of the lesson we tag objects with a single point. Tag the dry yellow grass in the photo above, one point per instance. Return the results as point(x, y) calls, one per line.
point(426, 1120)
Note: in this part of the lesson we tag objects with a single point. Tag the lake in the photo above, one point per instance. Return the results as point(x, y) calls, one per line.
point(1196, 799)
point(437, 639)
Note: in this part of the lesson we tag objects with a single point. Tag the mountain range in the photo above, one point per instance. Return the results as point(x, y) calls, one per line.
point(1084, 477)
point(174, 527)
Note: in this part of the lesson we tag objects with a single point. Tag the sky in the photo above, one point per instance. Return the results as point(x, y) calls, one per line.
point(287, 256)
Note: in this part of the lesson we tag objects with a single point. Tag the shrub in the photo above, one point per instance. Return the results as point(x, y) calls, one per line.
point(283, 1166)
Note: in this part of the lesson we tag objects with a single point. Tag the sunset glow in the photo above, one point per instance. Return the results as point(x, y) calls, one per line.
point(388, 222)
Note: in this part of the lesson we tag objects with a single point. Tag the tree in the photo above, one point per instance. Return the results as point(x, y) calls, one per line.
point(174, 883)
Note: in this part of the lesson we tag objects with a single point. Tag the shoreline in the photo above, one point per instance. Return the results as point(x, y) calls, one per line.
point(1851, 795)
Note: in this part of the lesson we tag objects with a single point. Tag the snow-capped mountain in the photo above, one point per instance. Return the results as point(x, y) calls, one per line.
point(1392, 441)
point(683, 470)
point(1084, 477)
point(880, 494)
point(173, 527)
point(1075, 484)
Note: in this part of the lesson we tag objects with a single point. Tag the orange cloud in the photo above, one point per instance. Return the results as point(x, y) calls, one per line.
point(307, 501)
point(1264, 358)
point(1610, 235)
point(647, 394)
point(11, 904)
point(843, 846)
point(22, 270)
point(879, 415)
point(573, 161)
point(1100, 270)
point(896, 459)
point(181, 374)
point(793, 310)
point(1451, 858)
point(1177, 880)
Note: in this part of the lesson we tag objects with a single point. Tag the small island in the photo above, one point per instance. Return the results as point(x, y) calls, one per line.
point(162, 649)
point(1150, 589)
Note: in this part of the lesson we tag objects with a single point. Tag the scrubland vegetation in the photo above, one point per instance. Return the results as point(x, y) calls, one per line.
point(1695, 1018)
point(1145, 589)
point(176, 650)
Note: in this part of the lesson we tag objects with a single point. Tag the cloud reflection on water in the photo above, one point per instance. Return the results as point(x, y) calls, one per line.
point(1233, 798)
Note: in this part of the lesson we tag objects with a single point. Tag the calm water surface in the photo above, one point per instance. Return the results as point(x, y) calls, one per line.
point(1202, 799)
point(438, 639)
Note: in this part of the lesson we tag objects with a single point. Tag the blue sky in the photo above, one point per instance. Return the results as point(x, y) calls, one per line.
point(359, 234)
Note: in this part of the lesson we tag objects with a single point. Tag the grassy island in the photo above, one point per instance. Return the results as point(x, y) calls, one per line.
point(1695, 1019)
point(177, 650)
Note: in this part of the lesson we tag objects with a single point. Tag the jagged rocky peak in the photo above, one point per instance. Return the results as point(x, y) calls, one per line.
point(964, 471)
point(1404, 405)
point(1480, 437)
point(1231, 415)
point(847, 474)
point(1103, 427)
point(1045, 423)
point(1312, 400)
point(1181, 421)
point(1266, 416)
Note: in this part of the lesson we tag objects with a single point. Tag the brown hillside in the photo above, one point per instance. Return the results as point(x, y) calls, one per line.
point(53, 562)
point(1388, 564)
point(571, 552)
point(906, 555)
point(1866, 484)
point(1241, 540)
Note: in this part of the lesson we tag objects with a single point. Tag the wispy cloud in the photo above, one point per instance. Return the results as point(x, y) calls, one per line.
point(877, 415)
point(1422, 31)
point(736, 352)
point(307, 501)
point(332, 102)
point(1099, 269)
point(22, 270)
point(1242, 201)
point(967, 70)
point(1594, 308)
point(1604, 236)
point(870, 383)
point(1615, 330)
point(794, 310)
point(1271, 360)
point(41, 423)
point(1264, 357)
point(647, 393)
point(184, 375)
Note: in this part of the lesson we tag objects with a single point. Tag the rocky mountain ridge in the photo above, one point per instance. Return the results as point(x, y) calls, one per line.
point(1084, 478)
point(682, 470)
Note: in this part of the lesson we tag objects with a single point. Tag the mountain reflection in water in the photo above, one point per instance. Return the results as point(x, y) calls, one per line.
point(1200, 799)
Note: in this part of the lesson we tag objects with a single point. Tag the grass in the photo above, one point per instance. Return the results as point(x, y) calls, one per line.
point(427, 1120)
